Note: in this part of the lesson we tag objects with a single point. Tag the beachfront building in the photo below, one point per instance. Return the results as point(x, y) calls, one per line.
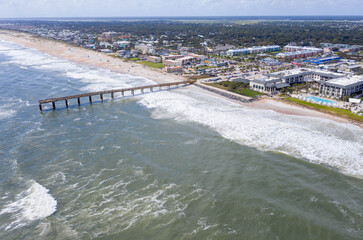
point(181, 60)
point(154, 59)
point(341, 87)
point(273, 82)
point(304, 75)
point(267, 84)
point(172, 57)
point(252, 50)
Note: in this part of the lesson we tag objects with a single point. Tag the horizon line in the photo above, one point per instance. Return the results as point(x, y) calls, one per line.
point(181, 16)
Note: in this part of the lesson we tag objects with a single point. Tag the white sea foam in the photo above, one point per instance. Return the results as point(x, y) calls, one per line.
point(96, 79)
point(99, 80)
point(318, 140)
point(32, 204)
point(6, 111)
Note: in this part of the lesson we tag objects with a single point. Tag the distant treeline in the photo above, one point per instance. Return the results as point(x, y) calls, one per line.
point(228, 32)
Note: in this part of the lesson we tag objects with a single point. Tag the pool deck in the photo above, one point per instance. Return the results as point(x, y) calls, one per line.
point(337, 104)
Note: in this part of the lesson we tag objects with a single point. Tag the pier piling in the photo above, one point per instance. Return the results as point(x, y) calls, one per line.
point(112, 92)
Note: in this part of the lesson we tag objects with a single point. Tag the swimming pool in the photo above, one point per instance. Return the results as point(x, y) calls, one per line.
point(321, 100)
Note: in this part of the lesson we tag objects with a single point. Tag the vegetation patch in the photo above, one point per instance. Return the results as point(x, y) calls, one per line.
point(205, 67)
point(236, 87)
point(335, 111)
point(199, 77)
point(248, 92)
point(151, 64)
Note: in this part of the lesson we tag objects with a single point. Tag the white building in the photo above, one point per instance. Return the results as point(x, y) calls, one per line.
point(154, 59)
point(340, 87)
point(252, 50)
point(180, 60)
point(267, 84)
point(273, 82)
point(291, 48)
point(143, 48)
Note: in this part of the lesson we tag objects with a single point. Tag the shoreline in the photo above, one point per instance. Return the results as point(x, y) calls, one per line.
point(85, 56)
point(92, 58)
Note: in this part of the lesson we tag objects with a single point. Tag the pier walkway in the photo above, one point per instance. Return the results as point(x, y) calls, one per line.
point(112, 92)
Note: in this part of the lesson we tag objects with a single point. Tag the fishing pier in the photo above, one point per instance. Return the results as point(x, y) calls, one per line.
point(111, 92)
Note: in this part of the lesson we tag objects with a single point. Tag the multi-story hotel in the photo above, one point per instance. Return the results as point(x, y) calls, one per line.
point(340, 87)
point(252, 50)
point(290, 48)
point(330, 84)
point(299, 52)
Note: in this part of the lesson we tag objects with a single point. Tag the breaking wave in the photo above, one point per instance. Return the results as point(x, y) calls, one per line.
point(35, 203)
point(319, 140)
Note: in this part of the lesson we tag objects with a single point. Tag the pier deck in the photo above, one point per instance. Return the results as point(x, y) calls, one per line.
point(112, 92)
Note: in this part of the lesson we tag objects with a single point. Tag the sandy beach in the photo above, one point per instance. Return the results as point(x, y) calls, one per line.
point(86, 56)
point(98, 59)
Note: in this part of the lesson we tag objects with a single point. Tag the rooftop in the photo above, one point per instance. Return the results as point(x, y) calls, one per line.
point(346, 81)
point(299, 71)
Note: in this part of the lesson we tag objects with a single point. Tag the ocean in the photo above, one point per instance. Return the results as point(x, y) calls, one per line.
point(179, 164)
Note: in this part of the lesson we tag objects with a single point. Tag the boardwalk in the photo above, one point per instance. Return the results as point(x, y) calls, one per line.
point(111, 92)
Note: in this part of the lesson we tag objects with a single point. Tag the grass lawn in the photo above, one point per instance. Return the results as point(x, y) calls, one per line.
point(336, 111)
point(243, 91)
point(248, 92)
point(151, 64)
point(133, 59)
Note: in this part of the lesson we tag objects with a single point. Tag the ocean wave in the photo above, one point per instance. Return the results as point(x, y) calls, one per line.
point(314, 139)
point(100, 79)
point(35, 203)
point(318, 140)
point(6, 111)
point(27, 57)
point(96, 79)
point(129, 198)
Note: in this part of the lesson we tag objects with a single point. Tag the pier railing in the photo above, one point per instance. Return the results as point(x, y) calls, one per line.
point(112, 92)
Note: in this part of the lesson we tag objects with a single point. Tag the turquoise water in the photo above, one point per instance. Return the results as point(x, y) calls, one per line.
point(168, 165)
point(321, 100)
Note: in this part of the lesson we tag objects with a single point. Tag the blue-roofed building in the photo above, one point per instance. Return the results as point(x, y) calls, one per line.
point(324, 60)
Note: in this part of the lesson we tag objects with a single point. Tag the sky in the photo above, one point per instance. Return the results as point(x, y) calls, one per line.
point(148, 8)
